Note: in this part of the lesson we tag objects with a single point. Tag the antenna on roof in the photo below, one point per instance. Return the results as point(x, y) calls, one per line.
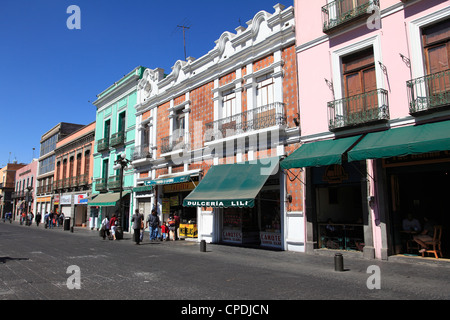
point(184, 38)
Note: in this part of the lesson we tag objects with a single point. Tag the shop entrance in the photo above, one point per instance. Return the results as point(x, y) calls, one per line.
point(338, 206)
point(259, 226)
point(418, 193)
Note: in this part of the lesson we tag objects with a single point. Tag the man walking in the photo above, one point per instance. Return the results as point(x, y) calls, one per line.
point(153, 223)
point(137, 219)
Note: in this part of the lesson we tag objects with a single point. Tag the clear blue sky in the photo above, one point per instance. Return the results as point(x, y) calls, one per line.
point(50, 74)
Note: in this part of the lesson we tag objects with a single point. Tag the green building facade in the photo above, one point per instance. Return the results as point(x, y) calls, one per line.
point(114, 135)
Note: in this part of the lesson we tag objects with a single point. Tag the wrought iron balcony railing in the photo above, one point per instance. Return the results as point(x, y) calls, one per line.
point(340, 12)
point(102, 144)
point(114, 182)
point(175, 142)
point(141, 152)
point(259, 118)
point(82, 179)
point(101, 184)
point(358, 109)
point(117, 139)
point(429, 92)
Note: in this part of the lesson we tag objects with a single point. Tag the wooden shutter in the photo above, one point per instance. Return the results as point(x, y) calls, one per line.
point(436, 40)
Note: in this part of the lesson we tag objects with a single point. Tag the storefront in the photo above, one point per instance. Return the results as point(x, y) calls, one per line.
point(336, 193)
point(412, 173)
point(80, 209)
point(419, 186)
point(108, 204)
point(171, 191)
point(144, 196)
point(245, 198)
point(43, 204)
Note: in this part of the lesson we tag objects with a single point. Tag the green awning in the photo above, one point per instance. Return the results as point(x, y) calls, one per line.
point(431, 137)
point(232, 185)
point(106, 199)
point(320, 153)
point(169, 180)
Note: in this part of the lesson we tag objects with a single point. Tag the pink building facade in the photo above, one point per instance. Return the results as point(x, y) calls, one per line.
point(24, 194)
point(374, 85)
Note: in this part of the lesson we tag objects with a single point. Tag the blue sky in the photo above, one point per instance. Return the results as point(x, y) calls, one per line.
point(50, 74)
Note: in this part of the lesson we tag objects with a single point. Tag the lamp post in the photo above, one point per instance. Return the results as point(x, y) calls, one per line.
point(120, 164)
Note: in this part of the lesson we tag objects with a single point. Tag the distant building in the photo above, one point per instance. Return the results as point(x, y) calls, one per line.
point(24, 194)
point(7, 184)
point(73, 174)
point(46, 167)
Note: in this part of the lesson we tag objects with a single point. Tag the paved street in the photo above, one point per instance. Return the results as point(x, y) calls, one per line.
point(34, 263)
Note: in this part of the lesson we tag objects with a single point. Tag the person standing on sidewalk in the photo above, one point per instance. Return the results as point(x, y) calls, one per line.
point(38, 219)
point(137, 219)
point(153, 223)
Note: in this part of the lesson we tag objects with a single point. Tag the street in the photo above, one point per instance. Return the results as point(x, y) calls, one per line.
point(44, 264)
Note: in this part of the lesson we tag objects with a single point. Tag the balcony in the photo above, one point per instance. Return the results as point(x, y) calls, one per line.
point(358, 110)
point(102, 145)
point(175, 142)
point(117, 139)
point(101, 185)
point(429, 93)
point(114, 182)
point(267, 116)
point(341, 13)
point(141, 152)
point(82, 180)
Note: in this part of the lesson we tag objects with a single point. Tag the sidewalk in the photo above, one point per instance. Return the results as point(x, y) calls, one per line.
point(407, 259)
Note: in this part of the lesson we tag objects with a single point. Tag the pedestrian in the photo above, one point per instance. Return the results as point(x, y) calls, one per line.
point(38, 219)
point(50, 220)
point(176, 217)
point(105, 228)
point(30, 218)
point(164, 231)
point(113, 224)
point(137, 219)
point(153, 224)
point(141, 234)
point(46, 220)
point(172, 227)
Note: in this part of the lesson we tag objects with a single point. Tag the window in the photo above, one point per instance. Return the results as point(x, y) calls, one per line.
point(228, 104)
point(107, 129)
point(359, 80)
point(264, 91)
point(436, 41)
point(121, 122)
point(71, 166)
point(179, 125)
point(87, 162)
point(78, 165)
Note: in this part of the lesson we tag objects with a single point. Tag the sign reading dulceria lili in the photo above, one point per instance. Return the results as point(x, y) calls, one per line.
point(247, 203)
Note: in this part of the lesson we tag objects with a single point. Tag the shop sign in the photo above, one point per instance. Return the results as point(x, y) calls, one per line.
point(66, 199)
point(165, 206)
point(232, 236)
point(335, 173)
point(270, 239)
point(45, 199)
point(439, 156)
point(56, 199)
point(219, 203)
point(80, 199)
point(180, 187)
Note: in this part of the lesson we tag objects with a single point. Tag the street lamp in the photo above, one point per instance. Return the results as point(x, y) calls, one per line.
point(120, 164)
